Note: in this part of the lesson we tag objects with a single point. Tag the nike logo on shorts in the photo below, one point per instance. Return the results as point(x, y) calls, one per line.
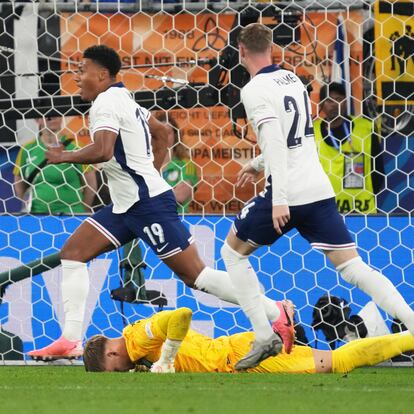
point(162, 248)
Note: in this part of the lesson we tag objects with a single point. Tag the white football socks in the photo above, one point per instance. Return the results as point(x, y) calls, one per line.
point(218, 283)
point(247, 291)
point(382, 291)
point(75, 289)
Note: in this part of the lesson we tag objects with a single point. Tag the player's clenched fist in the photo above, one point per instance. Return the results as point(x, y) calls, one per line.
point(281, 216)
point(54, 155)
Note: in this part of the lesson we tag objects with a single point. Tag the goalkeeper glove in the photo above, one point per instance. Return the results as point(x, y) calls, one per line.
point(159, 368)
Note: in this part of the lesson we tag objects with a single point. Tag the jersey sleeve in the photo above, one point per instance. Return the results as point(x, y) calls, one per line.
point(146, 337)
point(145, 113)
point(259, 106)
point(142, 338)
point(103, 117)
point(258, 163)
point(274, 150)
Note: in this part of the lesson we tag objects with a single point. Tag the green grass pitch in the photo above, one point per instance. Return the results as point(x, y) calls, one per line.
point(61, 390)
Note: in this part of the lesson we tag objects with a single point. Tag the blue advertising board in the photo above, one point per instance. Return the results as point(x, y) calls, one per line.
point(290, 269)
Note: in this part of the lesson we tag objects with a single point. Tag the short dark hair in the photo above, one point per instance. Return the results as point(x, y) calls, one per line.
point(94, 354)
point(331, 87)
point(104, 56)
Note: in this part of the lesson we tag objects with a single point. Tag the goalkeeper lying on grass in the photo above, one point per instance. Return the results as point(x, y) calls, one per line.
point(166, 341)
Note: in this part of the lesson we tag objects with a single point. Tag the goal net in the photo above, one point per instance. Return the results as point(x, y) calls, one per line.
point(180, 59)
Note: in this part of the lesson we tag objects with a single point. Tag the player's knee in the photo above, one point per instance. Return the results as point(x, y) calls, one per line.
point(189, 277)
point(190, 274)
point(354, 270)
point(230, 256)
point(74, 253)
point(188, 281)
point(186, 265)
point(185, 314)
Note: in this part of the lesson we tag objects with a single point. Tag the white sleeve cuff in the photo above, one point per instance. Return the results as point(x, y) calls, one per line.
point(280, 202)
point(105, 128)
point(265, 120)
point(258, 163)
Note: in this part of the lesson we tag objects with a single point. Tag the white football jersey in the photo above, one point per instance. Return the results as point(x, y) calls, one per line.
point(131, 172)
point(279, 96)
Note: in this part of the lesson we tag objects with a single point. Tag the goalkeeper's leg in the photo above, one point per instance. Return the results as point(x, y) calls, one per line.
point(86, 243)
point(370, 351)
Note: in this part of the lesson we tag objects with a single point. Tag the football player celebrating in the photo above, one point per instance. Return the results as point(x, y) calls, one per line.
point(298, 194)
point(132, 144)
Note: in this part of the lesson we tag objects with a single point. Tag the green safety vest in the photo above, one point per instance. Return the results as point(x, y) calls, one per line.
point(349, 167)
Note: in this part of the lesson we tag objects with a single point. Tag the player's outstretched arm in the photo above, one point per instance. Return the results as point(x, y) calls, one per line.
point(101, 150)
point(174, 325)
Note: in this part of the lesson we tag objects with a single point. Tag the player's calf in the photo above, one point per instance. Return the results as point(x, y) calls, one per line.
point(379, 287)
point(187, 265)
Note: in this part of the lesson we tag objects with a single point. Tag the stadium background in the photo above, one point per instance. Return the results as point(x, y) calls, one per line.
point(345, 41)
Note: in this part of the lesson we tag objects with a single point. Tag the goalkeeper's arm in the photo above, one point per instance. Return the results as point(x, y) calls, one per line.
point(174, 325)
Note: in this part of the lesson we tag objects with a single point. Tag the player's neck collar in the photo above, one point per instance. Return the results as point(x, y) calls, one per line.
point(268, 69)
point(117, 85)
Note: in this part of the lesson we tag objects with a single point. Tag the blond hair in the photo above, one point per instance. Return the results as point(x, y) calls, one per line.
point(256, 38)
point(94, 354)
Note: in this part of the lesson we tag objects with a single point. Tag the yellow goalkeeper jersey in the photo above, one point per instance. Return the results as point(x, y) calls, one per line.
point(199, 353)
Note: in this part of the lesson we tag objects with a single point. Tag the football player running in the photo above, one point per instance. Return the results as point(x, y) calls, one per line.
point(297, 194)
point(132, 144)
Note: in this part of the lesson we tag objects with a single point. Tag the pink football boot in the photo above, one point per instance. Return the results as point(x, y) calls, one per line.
point(284, 326)
point(60, 349)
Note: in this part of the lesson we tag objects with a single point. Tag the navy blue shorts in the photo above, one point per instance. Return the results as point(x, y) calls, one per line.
point(319, 223)
point(153, 220)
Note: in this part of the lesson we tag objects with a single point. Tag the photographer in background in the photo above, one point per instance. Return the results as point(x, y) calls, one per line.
point(53, 189)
